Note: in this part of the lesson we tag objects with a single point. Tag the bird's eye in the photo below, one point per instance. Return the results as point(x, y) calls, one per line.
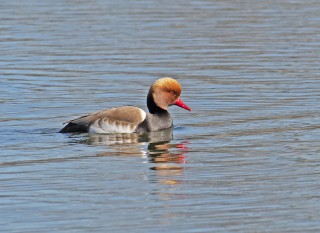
point(173, 93)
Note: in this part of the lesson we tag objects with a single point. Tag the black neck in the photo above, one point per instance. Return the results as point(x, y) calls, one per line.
point(153, 107)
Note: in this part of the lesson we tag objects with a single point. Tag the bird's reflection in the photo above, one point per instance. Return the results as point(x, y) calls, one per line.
point(167, 158)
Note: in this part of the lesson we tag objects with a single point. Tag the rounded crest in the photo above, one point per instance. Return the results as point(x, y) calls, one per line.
point(163, 93)
point(168, 85)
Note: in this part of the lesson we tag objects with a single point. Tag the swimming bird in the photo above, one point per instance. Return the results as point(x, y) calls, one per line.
point(130, 119)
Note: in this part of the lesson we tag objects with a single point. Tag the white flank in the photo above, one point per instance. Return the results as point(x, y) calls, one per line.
point(109, 127)
point(95, 128)
point(143, 114)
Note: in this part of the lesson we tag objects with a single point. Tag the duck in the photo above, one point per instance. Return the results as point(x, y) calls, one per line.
point(163, 93)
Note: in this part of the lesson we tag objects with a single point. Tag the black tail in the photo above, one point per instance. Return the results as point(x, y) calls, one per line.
point(74, 128)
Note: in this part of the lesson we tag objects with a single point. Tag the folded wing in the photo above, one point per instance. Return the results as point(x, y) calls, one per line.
point(116, 120)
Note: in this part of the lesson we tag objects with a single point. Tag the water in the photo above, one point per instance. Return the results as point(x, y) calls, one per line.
point(246, 159)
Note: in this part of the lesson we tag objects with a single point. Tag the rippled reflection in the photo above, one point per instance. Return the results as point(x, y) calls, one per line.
point(130, 138)
point(166, 158)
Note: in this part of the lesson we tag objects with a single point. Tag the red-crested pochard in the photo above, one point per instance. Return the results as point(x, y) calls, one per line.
point(129, 119)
